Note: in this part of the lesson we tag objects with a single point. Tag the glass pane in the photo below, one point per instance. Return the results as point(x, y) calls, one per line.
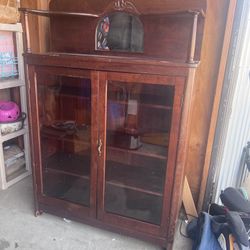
point(14, 158)
point(120, 31)
point(138, 126)
point(65, 125)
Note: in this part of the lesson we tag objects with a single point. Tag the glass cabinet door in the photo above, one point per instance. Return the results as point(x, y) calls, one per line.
point(138, 128)
point(64, 105)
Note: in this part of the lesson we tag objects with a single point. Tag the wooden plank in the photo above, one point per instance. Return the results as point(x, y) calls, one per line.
point(11, 27)
point(215, 111)
point(188, 201)
point(13, 135)
point(11, 83)
point(47, 13)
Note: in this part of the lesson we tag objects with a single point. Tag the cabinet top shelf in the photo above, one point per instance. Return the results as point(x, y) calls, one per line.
point(157, 32)
point(120, 63)
point(49, 13)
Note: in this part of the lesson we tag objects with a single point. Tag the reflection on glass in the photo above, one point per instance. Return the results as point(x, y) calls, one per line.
point(138, 126)
point(120, 31)
point(65, 121)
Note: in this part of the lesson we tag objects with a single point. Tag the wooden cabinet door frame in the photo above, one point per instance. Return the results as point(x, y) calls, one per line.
point(75, 209)
point(117, 220)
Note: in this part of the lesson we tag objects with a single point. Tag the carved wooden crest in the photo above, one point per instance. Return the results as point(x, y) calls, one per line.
point(123, 5)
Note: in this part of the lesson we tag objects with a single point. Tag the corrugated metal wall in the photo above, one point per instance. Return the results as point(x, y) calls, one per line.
point(233, 131)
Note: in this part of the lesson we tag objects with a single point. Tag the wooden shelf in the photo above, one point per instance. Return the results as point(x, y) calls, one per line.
point(68, 164)
point(73, 189)
point(11, 27)
point(75, 92)
point(148, 150)
point(144, 105)
point(81, 136)
point(49, 13)
point(11, 83)
point(13, 135)
point(75, 96)
point(141, 179)
point(125, 176)
point(133, 204)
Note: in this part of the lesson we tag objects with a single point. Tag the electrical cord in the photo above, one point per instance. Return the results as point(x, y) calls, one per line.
point(181, 226)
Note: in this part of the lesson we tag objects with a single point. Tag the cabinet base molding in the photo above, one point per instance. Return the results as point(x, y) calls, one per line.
point(96, 223)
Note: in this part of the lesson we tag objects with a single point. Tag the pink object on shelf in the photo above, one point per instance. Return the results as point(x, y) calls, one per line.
point(9, 111)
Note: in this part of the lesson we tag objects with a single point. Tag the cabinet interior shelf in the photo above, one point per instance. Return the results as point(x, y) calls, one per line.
point(124, 103)
point(119, 175)
point(143, 179)
point(143, 105)
point(75, 92)
point(68, 164)
point(148, 150)
point(85, 95)
point(81, 136)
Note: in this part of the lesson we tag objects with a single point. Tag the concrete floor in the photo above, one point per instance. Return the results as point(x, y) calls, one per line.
point(20, 230)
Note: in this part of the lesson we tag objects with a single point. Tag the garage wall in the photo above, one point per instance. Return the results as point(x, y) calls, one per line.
point(204, 91)
point(233, 130)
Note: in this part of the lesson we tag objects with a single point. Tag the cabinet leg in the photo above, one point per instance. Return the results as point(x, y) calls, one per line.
point(38, 213)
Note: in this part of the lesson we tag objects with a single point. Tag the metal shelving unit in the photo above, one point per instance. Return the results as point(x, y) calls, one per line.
point(21, 135)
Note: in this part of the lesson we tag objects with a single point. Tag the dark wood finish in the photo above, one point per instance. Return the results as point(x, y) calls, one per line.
point(94, 139)
point(32, 100)
point(73, 215)
point(172, 152)
point(159, 85)
point(157, 43)
point(121, 64)
point(37, 144)
point(142, 6)
point(102, 136)
point(180, 46)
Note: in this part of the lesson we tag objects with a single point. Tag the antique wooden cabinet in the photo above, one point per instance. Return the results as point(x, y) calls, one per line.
point(109, 112)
